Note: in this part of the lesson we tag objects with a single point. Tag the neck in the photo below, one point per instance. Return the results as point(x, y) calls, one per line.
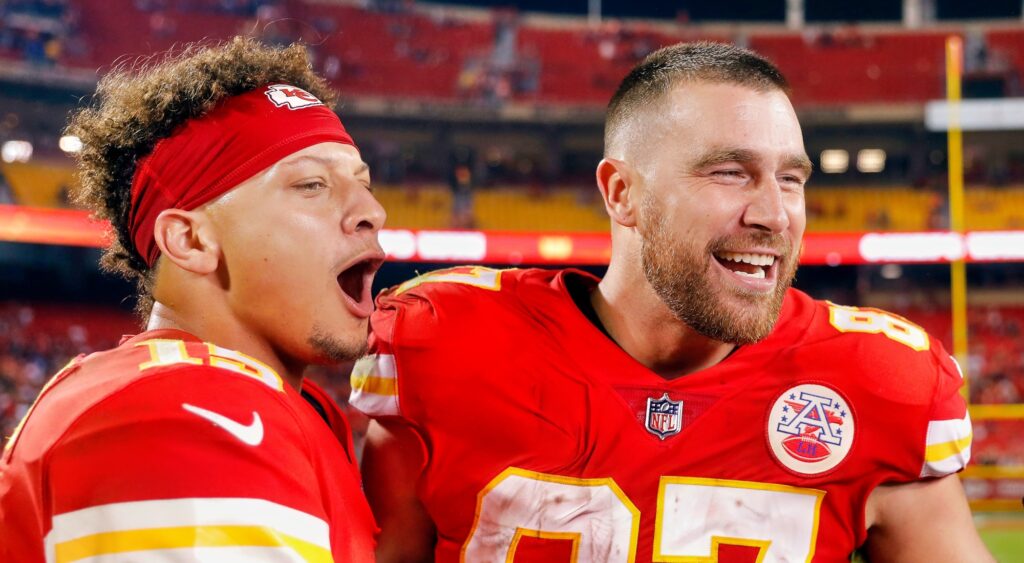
point(210, 321)
point(643, 326)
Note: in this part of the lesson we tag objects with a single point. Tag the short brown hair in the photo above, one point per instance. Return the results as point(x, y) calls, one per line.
point(137, 105)
point(661, 70)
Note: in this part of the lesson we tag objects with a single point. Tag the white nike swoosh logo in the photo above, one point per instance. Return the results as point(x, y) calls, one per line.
point(251, 434)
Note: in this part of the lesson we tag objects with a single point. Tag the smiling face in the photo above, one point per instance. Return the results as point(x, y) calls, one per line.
point(721, 212)
point(299, 249)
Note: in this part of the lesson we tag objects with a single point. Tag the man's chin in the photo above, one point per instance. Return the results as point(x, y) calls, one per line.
point(736, 319)
point(753, 332)
point(329, 349)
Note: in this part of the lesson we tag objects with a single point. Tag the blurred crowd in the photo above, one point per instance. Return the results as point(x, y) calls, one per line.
point(996, 356)
point(39, 30)
point(29, 357)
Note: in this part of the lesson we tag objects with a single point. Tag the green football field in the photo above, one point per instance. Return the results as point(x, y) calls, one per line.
point(1003, 534)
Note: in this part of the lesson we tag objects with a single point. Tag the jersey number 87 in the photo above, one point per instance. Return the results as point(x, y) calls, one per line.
point(694, 516)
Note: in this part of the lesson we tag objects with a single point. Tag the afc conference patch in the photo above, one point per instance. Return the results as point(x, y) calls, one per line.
point(664, 416)
point(810, 429)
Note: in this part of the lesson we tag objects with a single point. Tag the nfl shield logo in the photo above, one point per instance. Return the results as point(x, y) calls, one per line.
point(664, 416)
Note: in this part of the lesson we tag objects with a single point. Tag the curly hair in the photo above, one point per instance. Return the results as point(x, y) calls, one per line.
point(137, 105)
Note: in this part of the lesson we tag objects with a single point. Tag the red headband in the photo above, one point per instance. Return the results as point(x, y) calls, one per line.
point(211, 154)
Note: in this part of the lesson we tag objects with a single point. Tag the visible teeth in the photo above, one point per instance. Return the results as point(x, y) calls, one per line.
point(754, 259)
point(759, 274)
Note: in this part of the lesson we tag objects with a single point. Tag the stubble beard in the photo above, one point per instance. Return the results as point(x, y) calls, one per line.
point(680, 274)
point(333, 349)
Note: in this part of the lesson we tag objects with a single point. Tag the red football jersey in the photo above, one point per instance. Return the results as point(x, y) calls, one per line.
point(170, 448)
point(547, 442)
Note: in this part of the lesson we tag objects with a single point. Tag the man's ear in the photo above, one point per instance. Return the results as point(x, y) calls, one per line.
point(188, 239)
point(616, 180)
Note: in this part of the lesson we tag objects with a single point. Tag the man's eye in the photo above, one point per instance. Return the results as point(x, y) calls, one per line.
point(729, 173)
point(312, 185)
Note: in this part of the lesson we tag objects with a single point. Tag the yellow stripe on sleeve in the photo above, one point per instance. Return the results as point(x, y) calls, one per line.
point(938, 452)
point(374, 384)
point(186, 536)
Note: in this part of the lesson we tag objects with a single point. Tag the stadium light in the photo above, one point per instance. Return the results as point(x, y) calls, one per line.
point(892, 271)
point(910, 248)
point(70, 144)
point(398, 243)
point(72, 227)
point(835, 161)
point(468, 246)
point(870, 161)
point(16, 151)
point(996, 245)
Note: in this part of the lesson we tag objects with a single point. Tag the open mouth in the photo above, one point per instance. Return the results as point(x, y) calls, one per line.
point(747, 264)
point(356, 281)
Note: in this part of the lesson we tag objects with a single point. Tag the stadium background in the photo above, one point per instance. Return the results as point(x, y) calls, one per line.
point(482, 125)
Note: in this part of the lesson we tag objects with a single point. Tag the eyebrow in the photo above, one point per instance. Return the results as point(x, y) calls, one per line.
point(363, 167)
point(800, 161)
point(721, 156)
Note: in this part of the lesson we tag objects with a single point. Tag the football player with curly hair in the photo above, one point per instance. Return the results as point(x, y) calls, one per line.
point(241, 207)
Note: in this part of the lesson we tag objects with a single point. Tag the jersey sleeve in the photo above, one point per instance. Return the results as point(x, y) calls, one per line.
point(374, 379)
point(409, 324)
point(405, 330)
point(948, 441)
point(189, 464)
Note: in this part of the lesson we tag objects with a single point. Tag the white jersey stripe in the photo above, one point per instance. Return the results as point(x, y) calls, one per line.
point(375, 385)
point(374, 405)
point(947, 466)
point(947, 446)
point(942, 431)
point(185, 513)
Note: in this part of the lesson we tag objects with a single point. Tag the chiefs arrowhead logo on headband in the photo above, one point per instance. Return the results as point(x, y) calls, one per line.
point(291, 97)
point(209, 155)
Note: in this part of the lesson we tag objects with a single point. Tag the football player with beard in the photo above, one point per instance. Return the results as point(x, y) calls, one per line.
point(690, 405)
